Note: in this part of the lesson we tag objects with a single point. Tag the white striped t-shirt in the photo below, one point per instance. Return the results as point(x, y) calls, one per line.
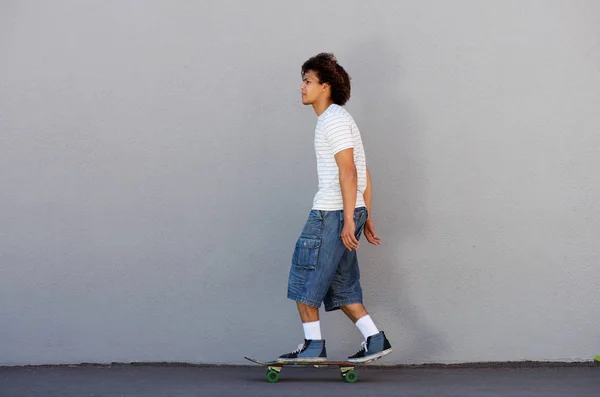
point(336, 131)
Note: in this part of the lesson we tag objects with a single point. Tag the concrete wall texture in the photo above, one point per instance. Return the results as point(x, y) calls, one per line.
point(157, 167)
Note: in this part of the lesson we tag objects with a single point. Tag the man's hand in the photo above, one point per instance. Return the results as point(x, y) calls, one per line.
point(370, 232)
point(347, 235)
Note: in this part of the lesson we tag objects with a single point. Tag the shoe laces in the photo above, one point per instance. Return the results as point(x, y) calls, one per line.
point(363, 347)
point(299, 349)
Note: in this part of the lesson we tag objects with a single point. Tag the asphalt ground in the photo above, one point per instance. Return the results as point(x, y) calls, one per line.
point(151, 380)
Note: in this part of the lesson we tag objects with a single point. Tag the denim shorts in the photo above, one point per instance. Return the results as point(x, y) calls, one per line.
point(322, 268)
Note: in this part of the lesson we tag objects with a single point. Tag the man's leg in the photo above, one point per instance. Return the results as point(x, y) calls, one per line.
point(354, 311)
point(307, 313)
point(345, 293)
point(313, 265)
point(359, 316)
point(310, 321)
point(376, 343)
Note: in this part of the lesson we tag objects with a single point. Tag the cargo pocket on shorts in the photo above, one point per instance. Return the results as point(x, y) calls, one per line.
point(306, 253)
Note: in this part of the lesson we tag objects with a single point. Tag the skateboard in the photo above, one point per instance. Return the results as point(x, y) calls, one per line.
point(346, 368)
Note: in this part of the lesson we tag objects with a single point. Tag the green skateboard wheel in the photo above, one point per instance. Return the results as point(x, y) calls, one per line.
point(272, 376)
point(351, 377)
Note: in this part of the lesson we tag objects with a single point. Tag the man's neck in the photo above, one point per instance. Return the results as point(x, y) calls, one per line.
point(321, 106)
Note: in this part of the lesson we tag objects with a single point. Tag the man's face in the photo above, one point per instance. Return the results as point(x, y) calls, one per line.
point(310, 88)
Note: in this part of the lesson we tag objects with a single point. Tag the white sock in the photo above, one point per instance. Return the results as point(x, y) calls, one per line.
point(366, 326)
point(312, 330)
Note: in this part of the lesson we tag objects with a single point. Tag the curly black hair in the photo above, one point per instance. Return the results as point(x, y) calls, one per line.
point(329, 71)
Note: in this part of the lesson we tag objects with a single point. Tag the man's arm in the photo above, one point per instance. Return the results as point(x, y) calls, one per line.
point(369, 229)
point(348, 184)
point(348, 181)
point(368, 194)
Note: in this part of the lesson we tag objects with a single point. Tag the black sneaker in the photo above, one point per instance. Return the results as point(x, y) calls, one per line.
point(376, 346)
point(312, 350)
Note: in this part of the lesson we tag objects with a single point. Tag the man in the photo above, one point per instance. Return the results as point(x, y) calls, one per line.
point(324, 264)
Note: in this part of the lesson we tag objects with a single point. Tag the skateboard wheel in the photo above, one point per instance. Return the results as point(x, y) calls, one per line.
point(272, 376)
point(351, 377)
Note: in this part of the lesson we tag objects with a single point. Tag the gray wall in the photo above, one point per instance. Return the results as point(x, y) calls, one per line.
point(157, 167)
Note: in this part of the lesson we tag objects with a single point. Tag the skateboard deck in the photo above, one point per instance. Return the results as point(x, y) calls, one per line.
point(346, 367)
